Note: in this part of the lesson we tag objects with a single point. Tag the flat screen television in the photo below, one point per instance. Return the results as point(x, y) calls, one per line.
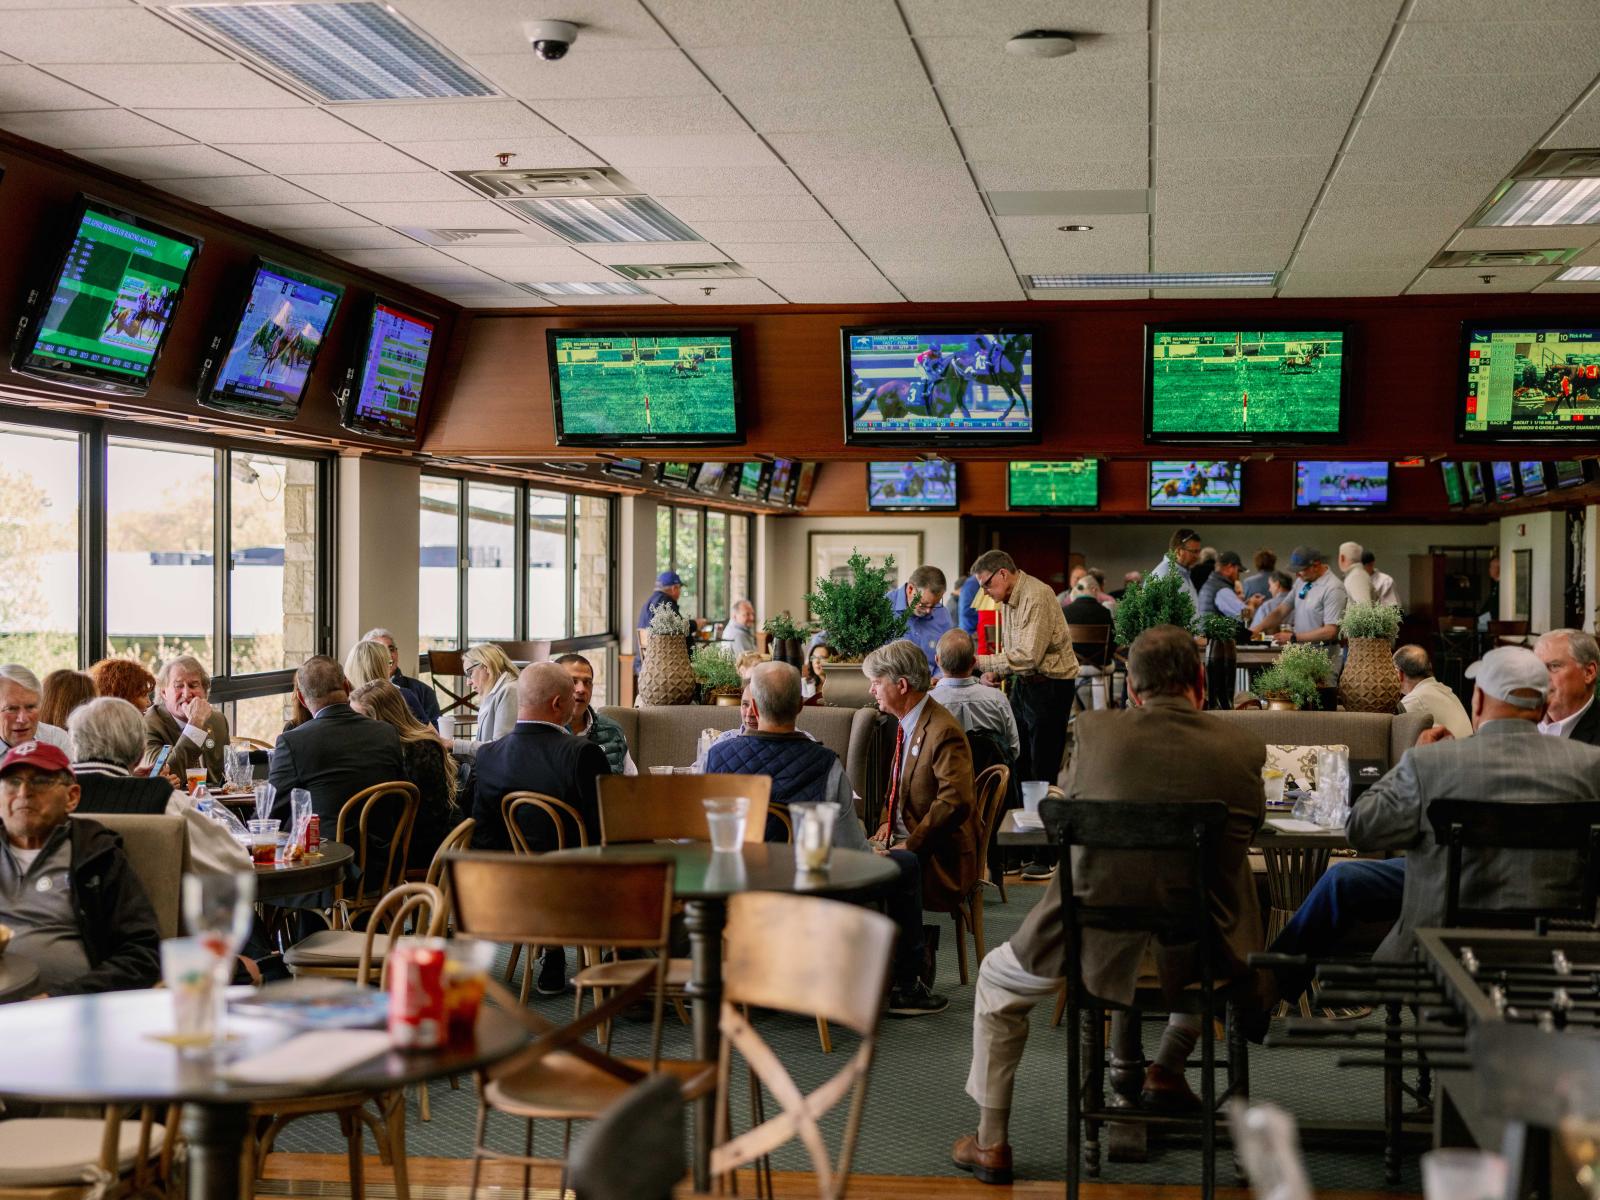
point(383, 397)
point(1180, 483)
point(1472, 478)
point(625, 468)
point(1454, 494)
point(1340, 486)
point(1074, 483)
point(782, 480)
point(752, 480)
point(804, 481)
point(677, 474)
point(103, 315)
point(911, 386)
point(1205, 383)
point(911, 486)
point(263, 366)
point(1504, 477)
point(1568, 472)
point(709, 480)
point(645, 387)
point(1529, 383)
point(1530, 477)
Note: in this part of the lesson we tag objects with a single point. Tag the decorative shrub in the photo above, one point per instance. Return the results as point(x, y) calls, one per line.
point(1296, 676)
point(857, 612)
point(665, 623)
point(713, 666)
point(1155, 600)
point(1371, 621)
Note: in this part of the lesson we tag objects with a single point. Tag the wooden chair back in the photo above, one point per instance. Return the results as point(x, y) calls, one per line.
point(459, 838)
point(239, 739)
point(410, 910)
point(382, 810)
point(651, 808)
point(1096, 640)
point(989, 792)
point(1461, 825)
point(526, 652)
point(560, 814)
point(447, 664)
point(819, 958)
point(1511, 632)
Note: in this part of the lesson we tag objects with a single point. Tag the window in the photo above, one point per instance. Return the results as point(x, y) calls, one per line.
point(710, 551)
point(272, 561)
point(439, 556)
point(686, 558)
point(717, 598)
point(547, 565)
point(591, 559)
point(491, 559)
point(39, 544)
point(739, 556)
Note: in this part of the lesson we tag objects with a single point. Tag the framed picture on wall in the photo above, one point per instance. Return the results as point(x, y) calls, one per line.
point(1522, 590)
point(829, 553)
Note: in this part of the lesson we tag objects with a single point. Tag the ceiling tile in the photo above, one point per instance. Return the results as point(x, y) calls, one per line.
point(1309, 136)
point(745, 208)
point(1202, 15)
point(553, 264)
point(587, 119)
point(827, 285)
point(27, 89)
point(1496, 10)
point(689, 149)
point(1262, 252)
point(932, 245)
point(866, 148)
point(920, 181)
point(354, 237)
point(910, 210)
point(526, 153)
point(815, 232)
point(474, 300)
point(1360, 166)
point(1259, 99)
point(412, 185)
point(292, 216)
point(963, 290)
point(723, 291)
point(466, 214)
point(975, 103)
point(591, 74)
point(1241, 173)
point(445, 120)
point(1262, 51)
point(1461, 197)
point(1193, 199)
point(238, 189)
point(1456, 280)
point(400, 257)
point(1125, 227)
point(1225, 293)
point(777, 22)
point(1104, 59)
point(128, 35)
point(454, 276)
point(1108, 140)
point(1589, 258)
point(605, 301)
point(1269, 225)
point(1303, 282)
point(279, 126)
point(654, 252)
point(345, 158)
point(84, 128)
point(38, 4)
point(1582, 128)
point(906, 108)
point(1066, 260)
point(1041, 175)
point(1480, 94)
point(168, 162)
point(1070, 294)
point(495, 26)
point(1575, 285)
point(807, 68)
point(183, 85)
point(1555, 237)
point(753, 254)
point(954, 18)
point(1463, 47)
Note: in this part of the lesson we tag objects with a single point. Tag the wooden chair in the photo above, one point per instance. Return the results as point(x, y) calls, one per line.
point(526, 652)
point(988, 796)
point(512, 806)
point(411, 906)
point(1508, 633)
point(1464, 825)
point(1095, 674)
point(446, 664)
point(653, 808)
point(544, 901)
point(252, 743)
point(812, 957)
point(59, 1158)
point(384, 802)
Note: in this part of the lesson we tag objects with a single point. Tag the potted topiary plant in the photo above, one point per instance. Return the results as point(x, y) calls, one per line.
point(1155, 600)
point(1368, 683)
point(1296, 680)
point(713, 666)
point(858, 617)
point(1221, 658)
point(666, 676)
point(783, 639)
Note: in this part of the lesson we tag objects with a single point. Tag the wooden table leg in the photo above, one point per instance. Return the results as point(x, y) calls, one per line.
point(704, 920)
point(215, 1133)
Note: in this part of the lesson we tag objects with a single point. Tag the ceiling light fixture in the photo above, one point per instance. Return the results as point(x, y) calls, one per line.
point(1041, 43)
point(1074, 228)
point(1579, 275)
point(606, 219)
point(1545, 202)
point(1162, 279)
point(583, 289)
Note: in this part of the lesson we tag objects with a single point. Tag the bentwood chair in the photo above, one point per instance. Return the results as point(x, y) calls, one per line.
point(515, 808)
point(415, 907)
point(1094, 662)
point(83, 1158)
point(381, 818)
point(546, 901)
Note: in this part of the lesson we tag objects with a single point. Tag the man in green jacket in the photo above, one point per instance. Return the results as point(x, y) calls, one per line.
point(586, 722)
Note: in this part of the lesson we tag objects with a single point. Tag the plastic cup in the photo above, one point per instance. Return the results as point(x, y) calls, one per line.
point(725, 818)
point(1463, 1175)
point(187, 968)
point(813, 833)
point(1034, 791)
point(194, 778)
point(1272, 781)
point(264, 840)
point(466, 977)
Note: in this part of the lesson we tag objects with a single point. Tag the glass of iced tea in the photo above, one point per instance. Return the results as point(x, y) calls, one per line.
point(466, 975)
point(264, 841)
point(193, 778)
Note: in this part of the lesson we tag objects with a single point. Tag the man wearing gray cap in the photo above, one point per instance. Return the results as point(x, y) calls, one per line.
point(1216, 593)
point(1506, 760)
point(1316, 605)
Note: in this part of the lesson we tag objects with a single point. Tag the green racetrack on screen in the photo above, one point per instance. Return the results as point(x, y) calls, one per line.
point(1245, 381)
point(646, 385)
point(1071, 484)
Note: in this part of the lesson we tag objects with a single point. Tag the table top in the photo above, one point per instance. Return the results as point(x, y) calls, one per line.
point(1267, 837)
point(19, 978)
point(103, 1049)
point(701, 874)
point(310, 874)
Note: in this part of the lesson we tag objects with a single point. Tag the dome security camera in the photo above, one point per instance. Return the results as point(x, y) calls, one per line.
point(551, 39)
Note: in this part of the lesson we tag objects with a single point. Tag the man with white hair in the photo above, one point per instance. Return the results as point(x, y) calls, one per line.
point(425, 695)
point(740, 631)
point(1357, 583)
point(19, 710)
point(1383, 588)
point(183, 718)
point(1573, 659)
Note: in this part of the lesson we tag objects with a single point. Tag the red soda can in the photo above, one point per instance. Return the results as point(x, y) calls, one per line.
point(416, 994)
point(313, 832)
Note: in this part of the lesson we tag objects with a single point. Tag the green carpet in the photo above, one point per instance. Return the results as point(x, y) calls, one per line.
point(916, 1105)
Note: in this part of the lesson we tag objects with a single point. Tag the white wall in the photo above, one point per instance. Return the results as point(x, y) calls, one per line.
point(379, 524)
point(785, 561)
point(636, 564)
point(1545, 534)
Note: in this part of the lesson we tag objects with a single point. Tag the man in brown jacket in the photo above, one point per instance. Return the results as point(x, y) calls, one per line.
point(183, 718)
point(1164, 748)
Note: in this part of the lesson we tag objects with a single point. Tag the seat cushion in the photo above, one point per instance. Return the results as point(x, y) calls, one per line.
point(619, 974)
point(59, 1151)
point(561, 1086)
point(334, 948)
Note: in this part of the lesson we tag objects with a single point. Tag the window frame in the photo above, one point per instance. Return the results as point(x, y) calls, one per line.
point(701, 575)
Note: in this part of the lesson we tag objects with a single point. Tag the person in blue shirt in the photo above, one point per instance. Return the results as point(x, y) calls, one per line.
point(926, 619)
point(966, 615)
point(669, 586)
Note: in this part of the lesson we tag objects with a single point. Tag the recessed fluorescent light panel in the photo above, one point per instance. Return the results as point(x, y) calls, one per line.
point(341, 53)
point(1545, 202)
point(607, 219)
point(583, 289)
point(1579, 275)
point(1183, 279)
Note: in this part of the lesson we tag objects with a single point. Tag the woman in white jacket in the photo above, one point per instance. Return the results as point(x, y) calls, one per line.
point(494, 681)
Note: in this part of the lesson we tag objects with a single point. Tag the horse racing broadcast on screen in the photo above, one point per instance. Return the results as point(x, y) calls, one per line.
point(1179, 484)
point(905, 386)
point(643, 387)
point(1240, 385)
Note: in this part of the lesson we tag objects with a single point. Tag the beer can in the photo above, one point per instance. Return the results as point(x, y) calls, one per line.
point(313, 832)
point(417, 993)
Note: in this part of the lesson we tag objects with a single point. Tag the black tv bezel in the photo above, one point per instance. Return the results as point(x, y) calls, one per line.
point(1497, 498)
point(1152, 506)
point(808, 471)
point(1294, 488)
point(647, 441)
point(1452, 467)
point(690, 469)
point(206, 394)
point(913, 440)
point(357, 371)
point(1488, 437)
point(25, 338)
point(1285, 438)
point(1013, 506)
point(953, 507)
point(1474, 466)
point(618, 467)
point(1543, 488)
point(1586, 474)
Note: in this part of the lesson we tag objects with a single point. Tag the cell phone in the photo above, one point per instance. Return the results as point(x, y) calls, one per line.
point(161, 759)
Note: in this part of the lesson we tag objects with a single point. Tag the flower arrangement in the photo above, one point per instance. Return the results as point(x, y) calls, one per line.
point(1371, 621)
point(1296, 676)
point(664, 623)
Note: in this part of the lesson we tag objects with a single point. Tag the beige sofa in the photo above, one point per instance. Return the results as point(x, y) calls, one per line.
point(1371, 736)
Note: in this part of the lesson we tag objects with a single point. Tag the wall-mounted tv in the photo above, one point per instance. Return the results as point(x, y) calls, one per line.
point(1340, 486)
point(263, 366)
point(625, 468)
point(1529, 383)
point(782, 480)
point(924, 486)
point(710, 479)
point(1530, 477)
point(383, 396)
point(751, 483)
point(1567, 473)
point(1504, 478)
point(1074, 483)
point(101, 318)
point(804, 481)
point(1454, 494)
point(1472, 477)
point(677, 474)
point(913, 386)
point(1184, 484)
point(644, 387)
point(1231, 384)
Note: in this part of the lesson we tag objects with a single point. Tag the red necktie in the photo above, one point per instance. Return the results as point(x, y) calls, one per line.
point(894, 781)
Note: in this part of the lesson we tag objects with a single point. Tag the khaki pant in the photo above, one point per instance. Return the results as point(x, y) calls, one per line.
point(1005, 996)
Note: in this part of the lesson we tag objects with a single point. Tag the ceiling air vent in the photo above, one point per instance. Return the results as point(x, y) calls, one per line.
point(529, 184)
point(1559, 164)
point(458, 239)
point(711, 270)
point(1503, 258)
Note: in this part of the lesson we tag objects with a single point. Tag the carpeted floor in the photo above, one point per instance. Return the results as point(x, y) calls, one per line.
point(916, 1105)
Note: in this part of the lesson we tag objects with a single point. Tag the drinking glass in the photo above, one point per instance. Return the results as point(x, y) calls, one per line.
point(1580, 1137)
point(726, 817)
point(264, 841)
point(194, 779)
point(1463, 1175)
point(236, 769)
point(1033, 791)
point(466, 977)
point(188, 970)
point(219, 910)
point(813, 832)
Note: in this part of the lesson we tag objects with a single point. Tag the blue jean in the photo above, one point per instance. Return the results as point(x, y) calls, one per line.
point(1353, 892)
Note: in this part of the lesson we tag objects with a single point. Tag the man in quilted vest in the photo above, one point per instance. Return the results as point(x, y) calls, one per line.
point(595, 726)
point(804, 771)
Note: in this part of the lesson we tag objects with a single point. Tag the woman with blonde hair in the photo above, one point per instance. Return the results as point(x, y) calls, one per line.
point(368, 661)
point(64, 691)
point(429, 765)
point(494, 681)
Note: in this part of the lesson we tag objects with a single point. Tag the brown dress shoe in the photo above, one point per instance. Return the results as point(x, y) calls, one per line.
point(992, 1165)
point(1167, 1091)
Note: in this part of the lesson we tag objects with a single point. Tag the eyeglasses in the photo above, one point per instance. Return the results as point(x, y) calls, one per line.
point(983, 584)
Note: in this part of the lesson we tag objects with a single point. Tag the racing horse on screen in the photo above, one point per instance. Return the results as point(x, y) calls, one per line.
point(895, 398)
point(992, 362)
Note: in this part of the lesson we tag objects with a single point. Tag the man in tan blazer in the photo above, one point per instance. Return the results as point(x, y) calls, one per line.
point(1164, 748)
point(929, 810)
point(183, 718)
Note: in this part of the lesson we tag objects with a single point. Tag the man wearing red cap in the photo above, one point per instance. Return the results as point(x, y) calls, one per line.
point(77, 910)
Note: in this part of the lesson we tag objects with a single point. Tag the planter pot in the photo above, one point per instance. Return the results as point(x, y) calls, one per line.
point(1368, 683)
point(725, 698)
point(667, 677)
point(788, 650)
point(845, 685)
point(1279, 704)
point(1221, 673)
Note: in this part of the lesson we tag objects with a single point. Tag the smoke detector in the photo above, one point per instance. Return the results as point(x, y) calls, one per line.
point(1042, 43)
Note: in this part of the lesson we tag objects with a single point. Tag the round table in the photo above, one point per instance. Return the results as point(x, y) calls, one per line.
point(19, 978)
point(99, 1049)
point(314, 873)
point(704, 880)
